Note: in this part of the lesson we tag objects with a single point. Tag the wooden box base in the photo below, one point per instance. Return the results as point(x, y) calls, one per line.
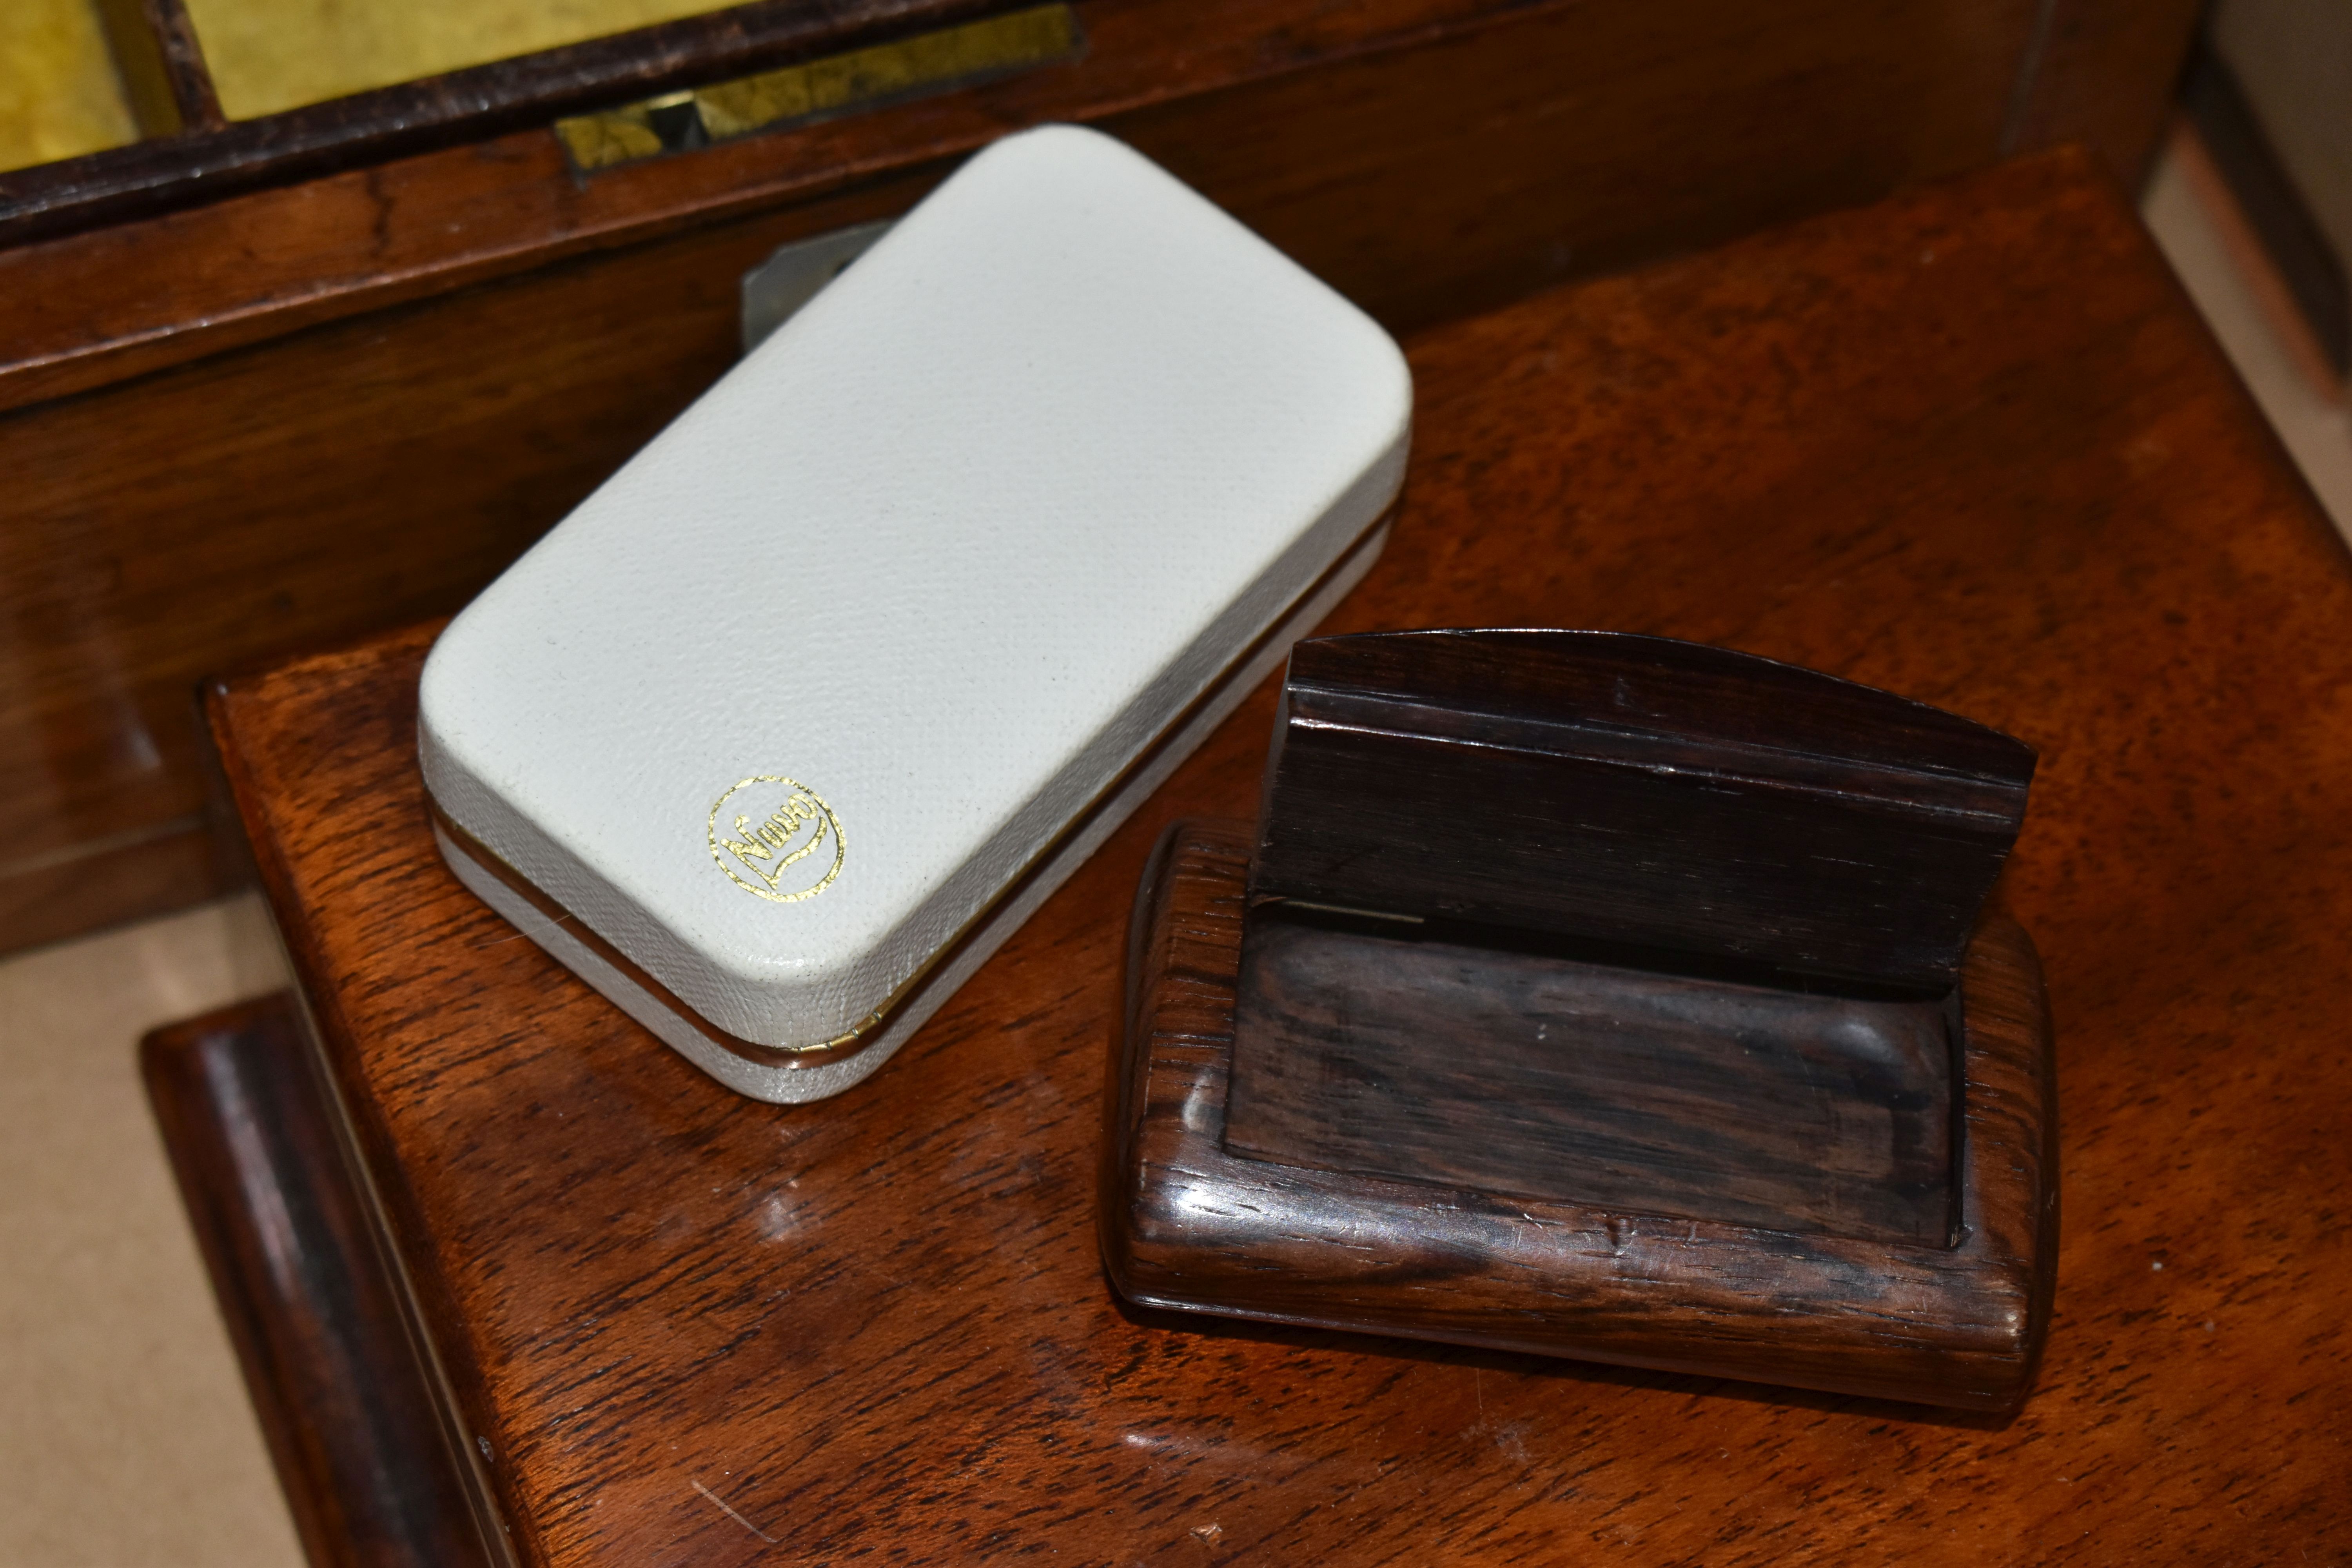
point(1187, 1224)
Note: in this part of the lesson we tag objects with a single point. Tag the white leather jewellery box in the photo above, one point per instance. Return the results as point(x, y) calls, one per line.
point(778, 736)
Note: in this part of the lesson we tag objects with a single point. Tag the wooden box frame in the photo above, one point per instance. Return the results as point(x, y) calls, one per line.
point(1186, 1224)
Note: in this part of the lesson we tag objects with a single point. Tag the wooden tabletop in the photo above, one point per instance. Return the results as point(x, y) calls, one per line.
point(1971, 445)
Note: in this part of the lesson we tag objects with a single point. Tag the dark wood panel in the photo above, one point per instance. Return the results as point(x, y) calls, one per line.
point(1408, 150)
point(193, 283)
point(347, 1409)
point(1955, 1320)
point(1359, 1047)
point(1970, 446)
point(1639, 793)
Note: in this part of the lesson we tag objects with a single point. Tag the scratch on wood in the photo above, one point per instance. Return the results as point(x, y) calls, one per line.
point(720, 1504)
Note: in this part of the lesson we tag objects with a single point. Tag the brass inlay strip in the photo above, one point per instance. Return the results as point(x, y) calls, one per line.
point(858, 1038)
point(862, 78)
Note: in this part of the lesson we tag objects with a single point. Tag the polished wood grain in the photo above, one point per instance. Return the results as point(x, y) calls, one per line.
point(1544, 140)
point(285, 417)
point(347, 1409)
point(1390, 1051)
point(1971, 445)
point(1605, 919)
point(1638, 793)
point(1954, 1319)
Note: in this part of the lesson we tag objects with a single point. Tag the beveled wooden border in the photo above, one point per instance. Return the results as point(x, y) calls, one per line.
point(1185, 1224)
point(355, 1427)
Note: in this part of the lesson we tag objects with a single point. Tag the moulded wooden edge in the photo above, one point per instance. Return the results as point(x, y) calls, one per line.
point(344, 1404)
point(1183, 1224)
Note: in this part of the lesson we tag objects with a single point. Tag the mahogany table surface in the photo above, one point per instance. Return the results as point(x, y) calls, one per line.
point(1970, 445)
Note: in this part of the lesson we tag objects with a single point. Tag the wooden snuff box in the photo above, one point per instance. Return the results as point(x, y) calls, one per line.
point(1601, 996)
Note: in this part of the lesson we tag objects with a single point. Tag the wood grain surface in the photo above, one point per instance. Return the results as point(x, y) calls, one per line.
point(1391, 1051)
point(354, 1428)
point(290, 416)
point(1543, 140)
point(1187, 1220)
point(1971, 445)
point(1641, 793)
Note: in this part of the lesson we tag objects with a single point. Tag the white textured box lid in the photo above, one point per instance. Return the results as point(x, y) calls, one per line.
point(948, 551)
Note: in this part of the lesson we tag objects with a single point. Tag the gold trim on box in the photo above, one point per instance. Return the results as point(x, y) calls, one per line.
point(860, 1035)
point(840, 84)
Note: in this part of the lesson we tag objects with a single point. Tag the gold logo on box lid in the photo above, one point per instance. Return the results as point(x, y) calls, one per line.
point(776, 838)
